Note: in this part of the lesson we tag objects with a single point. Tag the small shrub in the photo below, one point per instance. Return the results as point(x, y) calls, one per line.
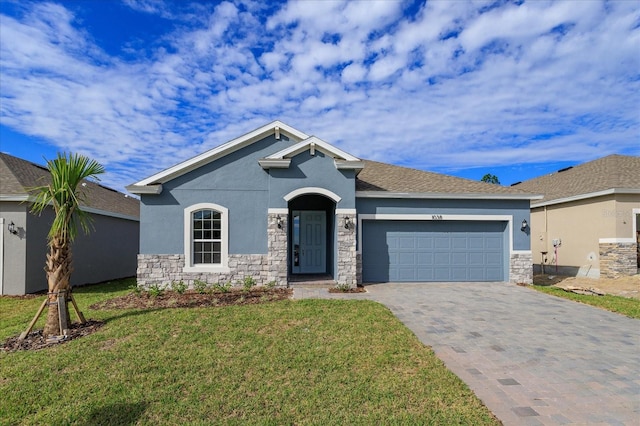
point(222, 288)
point(270, 284)
point(178, 286)
point(248, 283)
point(200, 286)
point(343, 287)
point(136, 289)
point(155, 290)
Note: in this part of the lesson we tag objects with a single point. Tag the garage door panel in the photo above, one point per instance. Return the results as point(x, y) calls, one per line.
point(460, 242)
point(407, 259)
point(493, 243)
point(493, 259)
point(406, 242)
point(460, 274)
point(424, 274)
point(424, 241)
point(425, 259)
point(476, 242)
point(493, 274)
point(459, 259)
point(433, 251)
point(441, 258)
point(442, 242)
point(476, 259)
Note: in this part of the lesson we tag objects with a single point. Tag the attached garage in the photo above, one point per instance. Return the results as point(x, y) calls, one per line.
point(434, 251)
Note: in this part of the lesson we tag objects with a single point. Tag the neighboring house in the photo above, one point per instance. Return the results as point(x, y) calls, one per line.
point(108, 252)
point(588, 221)
point(277, 204)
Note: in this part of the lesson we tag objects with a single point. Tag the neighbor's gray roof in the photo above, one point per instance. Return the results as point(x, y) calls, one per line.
point(611, 172)
point(18, 175)
point(384, 177)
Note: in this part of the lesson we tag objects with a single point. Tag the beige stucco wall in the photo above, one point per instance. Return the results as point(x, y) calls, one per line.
point(623, 214)
point(580, 225)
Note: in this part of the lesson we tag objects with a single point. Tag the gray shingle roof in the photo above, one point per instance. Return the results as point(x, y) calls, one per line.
point(18, 175)
point(611, 172)
point(389, 178)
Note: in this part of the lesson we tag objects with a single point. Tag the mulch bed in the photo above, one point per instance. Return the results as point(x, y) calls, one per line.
point(359, 289)
point(190, 299)
point(35, 340)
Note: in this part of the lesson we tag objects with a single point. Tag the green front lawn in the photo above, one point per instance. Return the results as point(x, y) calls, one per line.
point(622, 305)
point(290, 362)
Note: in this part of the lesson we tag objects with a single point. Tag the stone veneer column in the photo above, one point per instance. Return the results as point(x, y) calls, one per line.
point(618, 259)
point(347, 262)
point(277, 248)
point(521, 268)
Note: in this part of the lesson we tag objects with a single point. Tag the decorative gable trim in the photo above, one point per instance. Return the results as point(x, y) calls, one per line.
point(277, 127)
point(275, 164)
point(342, 159)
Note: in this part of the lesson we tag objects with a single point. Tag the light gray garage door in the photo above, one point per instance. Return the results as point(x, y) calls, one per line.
point(414, 251)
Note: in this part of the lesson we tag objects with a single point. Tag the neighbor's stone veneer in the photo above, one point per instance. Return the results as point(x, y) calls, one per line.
point(347, 265)
point(618, 259)
point(163, 269)
point(521, 268)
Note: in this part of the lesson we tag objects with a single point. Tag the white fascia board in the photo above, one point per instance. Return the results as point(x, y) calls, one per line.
point(320, 145)
point(588, 195)
point(439, 195)
point(146, 189)
point(616, 240)
point(110, 214)
point(280, 163)
point(222, 150)
point(26, 198)
point(18, 198)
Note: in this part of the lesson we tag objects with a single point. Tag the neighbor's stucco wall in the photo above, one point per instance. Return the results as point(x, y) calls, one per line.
point(108, 252)
point(14, 247)
point(623, 215)
point(580, 225)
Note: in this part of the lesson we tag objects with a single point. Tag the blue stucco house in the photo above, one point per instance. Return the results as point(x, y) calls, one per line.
point(278, 204)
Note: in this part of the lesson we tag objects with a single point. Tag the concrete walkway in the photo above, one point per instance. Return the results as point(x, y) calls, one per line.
point(533, 359)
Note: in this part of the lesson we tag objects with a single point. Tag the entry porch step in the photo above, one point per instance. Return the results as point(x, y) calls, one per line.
point(311, 281)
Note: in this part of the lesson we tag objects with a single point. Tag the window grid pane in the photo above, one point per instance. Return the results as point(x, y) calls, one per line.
point(207, 235)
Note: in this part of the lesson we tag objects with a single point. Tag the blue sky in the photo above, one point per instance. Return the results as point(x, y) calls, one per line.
point(513, 88)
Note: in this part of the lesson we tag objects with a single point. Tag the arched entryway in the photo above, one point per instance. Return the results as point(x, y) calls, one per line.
point(312, 240)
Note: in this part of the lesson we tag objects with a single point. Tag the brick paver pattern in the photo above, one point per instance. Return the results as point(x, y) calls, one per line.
point(532, 358)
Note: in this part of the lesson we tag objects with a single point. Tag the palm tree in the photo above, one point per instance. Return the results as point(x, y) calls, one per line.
point(64, 194)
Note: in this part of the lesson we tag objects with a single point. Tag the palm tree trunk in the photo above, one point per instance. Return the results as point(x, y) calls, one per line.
point(58, 269)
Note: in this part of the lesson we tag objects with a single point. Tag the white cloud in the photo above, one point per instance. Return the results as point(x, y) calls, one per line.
point(460, 84)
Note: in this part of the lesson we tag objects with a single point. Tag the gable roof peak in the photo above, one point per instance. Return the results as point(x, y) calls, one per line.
point(153, 184)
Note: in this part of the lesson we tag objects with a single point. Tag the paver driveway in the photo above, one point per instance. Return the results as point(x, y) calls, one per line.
point(532, 358)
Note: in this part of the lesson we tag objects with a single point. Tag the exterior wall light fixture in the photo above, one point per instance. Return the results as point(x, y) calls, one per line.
point(524, 226)
point(279, 222)
point(12, 228)
point(347, 222)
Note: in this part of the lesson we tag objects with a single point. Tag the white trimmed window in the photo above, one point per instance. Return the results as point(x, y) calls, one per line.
point(206, 238)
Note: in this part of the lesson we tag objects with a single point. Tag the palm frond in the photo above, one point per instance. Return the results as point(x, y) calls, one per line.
point(64, 194)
